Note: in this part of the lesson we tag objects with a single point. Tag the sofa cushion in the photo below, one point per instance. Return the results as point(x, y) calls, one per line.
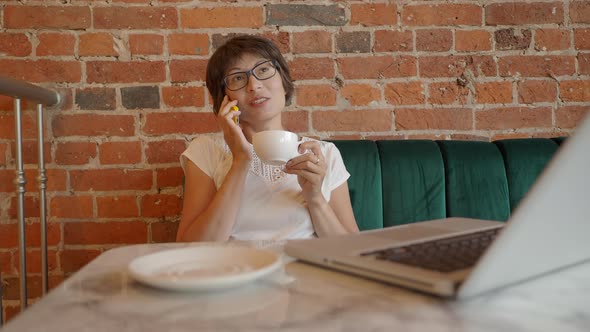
point(476, 183)
point(413, 181)
point(362, 162)
point(524, 160)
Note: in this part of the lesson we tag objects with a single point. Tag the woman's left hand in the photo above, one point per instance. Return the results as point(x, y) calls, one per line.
point(310, 169)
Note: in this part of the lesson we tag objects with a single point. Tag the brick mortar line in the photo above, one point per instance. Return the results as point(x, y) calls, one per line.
point(530, 51)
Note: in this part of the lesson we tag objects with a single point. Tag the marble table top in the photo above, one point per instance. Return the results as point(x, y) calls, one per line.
point(302, 297)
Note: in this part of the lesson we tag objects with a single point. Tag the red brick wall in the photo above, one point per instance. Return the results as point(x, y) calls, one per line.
point(132, 72)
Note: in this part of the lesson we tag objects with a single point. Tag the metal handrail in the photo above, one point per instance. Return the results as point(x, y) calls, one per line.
point(23, 90)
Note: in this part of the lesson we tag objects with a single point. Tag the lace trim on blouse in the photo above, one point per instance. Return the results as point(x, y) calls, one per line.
point(270, 173)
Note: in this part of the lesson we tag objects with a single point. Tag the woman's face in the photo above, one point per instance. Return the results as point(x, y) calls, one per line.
point(260, 100)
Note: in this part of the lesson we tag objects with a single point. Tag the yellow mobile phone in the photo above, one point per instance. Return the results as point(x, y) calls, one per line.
point(236, 118)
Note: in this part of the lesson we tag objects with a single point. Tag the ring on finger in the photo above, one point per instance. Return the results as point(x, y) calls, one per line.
point(317, 160)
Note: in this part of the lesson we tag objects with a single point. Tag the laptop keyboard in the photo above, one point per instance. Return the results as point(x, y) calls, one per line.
point(444, 255)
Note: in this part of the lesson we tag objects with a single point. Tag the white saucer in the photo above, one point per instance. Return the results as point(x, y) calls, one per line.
point(207, 267)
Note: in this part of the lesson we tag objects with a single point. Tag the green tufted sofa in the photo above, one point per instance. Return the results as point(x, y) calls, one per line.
point(395, 182)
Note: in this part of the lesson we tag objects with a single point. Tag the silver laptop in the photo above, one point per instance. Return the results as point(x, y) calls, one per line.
point(548, 231)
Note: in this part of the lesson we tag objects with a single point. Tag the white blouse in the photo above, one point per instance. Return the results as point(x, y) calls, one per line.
point(272, 206)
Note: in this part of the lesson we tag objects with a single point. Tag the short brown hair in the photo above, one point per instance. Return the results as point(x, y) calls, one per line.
point(229, 53)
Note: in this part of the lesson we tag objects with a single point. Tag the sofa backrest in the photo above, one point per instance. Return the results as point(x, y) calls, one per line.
point(413, 181)
point(475, 180)
point(364, 185)
point(524, 160)
point(395, 182)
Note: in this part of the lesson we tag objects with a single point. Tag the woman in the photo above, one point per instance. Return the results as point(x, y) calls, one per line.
point(229, 192)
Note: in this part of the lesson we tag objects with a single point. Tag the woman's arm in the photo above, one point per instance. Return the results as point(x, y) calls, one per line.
point(209, 214)
point(335, 217)
point(328, 218)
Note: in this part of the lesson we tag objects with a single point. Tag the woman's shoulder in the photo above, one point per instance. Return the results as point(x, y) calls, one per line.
point(207, 144)
point(208, 141)
point(206, 151)
point(328, 148)
point(323, 144)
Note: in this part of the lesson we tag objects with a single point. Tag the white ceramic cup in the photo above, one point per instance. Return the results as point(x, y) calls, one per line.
point(275, 147)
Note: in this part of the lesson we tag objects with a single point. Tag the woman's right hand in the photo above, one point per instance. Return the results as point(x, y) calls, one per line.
point(232, 133)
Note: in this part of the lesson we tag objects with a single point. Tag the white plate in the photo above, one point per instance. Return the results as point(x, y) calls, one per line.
point(206, 267)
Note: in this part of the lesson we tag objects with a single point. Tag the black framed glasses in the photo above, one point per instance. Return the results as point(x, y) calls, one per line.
point(261, 71)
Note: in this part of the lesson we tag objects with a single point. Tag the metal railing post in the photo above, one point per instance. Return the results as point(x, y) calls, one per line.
point(20, 182)
point(19, 89)
point(42, 181)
